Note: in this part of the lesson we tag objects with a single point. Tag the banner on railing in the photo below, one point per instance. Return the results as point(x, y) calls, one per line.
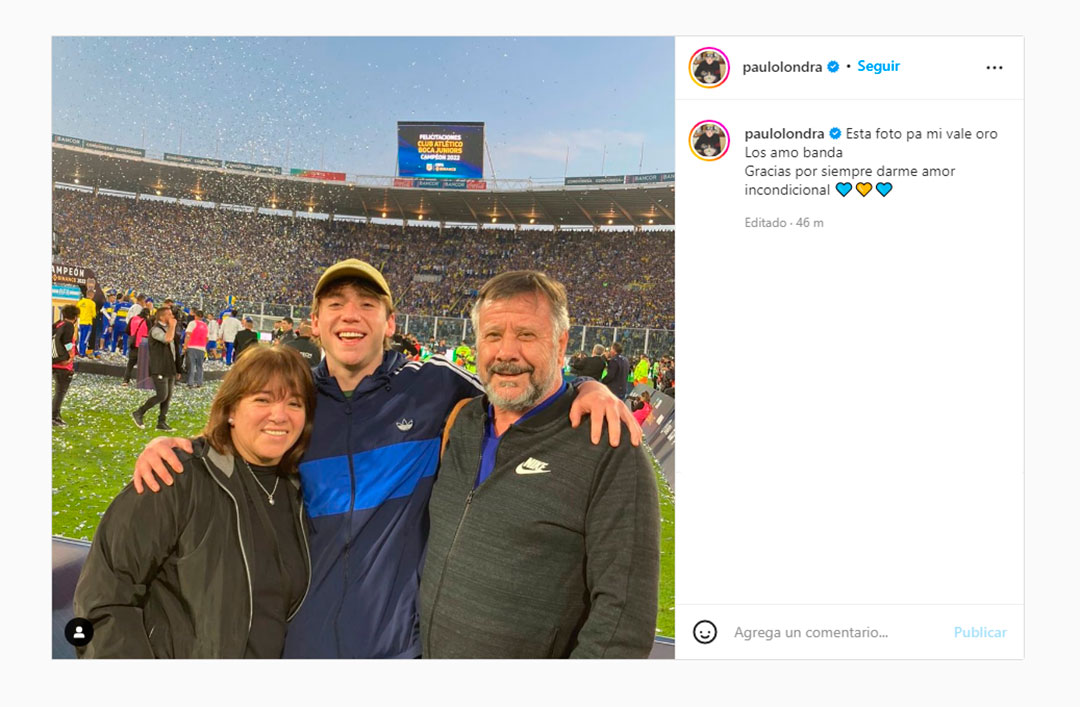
point(318, 174)
point(188, 159)
point(579, 181)
point(621, 179)
point(256, 168)
point(650, 178)
point(467, 184)
point(100, 146)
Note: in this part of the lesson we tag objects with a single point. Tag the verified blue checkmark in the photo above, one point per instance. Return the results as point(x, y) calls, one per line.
point(835, 133)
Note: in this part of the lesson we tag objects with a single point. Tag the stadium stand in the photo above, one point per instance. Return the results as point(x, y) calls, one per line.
point(193, 252)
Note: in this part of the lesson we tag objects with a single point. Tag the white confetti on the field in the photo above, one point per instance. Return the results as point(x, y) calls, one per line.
point(93, 457)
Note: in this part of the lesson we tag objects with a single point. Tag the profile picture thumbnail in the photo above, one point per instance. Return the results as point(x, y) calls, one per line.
point(709, 140)
point(709, 67)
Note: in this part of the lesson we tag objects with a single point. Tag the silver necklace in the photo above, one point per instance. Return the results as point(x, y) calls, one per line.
point(269, 494)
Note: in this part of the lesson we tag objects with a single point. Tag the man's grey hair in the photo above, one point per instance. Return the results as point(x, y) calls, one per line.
point(598, 349)
point(520, 282)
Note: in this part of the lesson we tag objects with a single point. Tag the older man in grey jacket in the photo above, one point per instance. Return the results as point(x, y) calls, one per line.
point(541, 543)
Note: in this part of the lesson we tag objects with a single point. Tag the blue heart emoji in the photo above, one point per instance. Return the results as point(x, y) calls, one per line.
point(884, 188)
point(843, 188)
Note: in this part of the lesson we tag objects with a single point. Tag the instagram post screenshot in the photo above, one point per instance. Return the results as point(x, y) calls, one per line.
point(364, 337)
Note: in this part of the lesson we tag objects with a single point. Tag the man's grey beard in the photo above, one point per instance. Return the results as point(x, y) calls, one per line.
point(534, 391)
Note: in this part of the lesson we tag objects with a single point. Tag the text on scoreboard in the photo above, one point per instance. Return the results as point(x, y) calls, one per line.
point(441, 150)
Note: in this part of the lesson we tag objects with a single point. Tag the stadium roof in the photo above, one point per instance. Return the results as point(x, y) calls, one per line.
point(524, 203)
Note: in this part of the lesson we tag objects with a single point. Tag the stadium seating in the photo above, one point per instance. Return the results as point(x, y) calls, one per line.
point(198, 253)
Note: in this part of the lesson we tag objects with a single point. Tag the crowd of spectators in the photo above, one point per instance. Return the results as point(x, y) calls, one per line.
point(198, 253)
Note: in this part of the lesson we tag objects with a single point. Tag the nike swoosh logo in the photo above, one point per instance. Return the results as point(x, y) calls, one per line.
point(532, 466)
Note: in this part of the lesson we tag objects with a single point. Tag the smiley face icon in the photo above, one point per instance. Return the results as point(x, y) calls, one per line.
point(704, 632)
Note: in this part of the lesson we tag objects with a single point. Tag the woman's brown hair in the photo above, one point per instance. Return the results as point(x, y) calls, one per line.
point(280, 366)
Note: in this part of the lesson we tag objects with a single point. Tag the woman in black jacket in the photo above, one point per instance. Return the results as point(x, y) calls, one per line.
point(217, 565)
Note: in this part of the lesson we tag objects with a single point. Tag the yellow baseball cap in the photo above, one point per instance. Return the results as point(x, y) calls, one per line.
point(350, 268)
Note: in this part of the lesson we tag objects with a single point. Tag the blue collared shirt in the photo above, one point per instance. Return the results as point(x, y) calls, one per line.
point(491, 440)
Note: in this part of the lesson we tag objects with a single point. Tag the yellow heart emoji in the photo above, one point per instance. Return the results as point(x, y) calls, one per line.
point(864, 187)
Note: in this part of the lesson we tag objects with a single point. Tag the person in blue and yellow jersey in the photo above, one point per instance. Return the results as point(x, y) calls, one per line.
point(108, 323)
point(120, 332)
point(229, 311)
point(87, 312)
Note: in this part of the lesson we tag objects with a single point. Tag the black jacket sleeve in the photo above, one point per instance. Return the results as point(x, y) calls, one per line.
point(63, 335)
point(136, 536)
point(622, 567)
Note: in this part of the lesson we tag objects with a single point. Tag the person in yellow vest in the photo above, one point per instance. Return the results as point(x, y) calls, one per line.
point(462, 354)
point(641, 371)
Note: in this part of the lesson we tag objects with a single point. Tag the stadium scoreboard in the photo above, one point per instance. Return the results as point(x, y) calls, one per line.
point(441, 150)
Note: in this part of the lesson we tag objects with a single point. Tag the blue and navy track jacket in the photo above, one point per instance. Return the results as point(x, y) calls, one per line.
point(367, 477)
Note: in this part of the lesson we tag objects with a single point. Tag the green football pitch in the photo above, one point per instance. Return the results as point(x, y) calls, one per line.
point(94, 455)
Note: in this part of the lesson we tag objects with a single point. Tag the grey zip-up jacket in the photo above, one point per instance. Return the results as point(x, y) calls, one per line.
point(556, 554)
point(167, 575)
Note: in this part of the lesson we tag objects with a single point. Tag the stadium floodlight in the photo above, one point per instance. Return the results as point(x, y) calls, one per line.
point(310, 209)
point(493, 219)
point(609, 222)
point(158, 192)
point(650, 222)
point(384, 214)
point(420, 217)
point(76, 180)
point(532, 220)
